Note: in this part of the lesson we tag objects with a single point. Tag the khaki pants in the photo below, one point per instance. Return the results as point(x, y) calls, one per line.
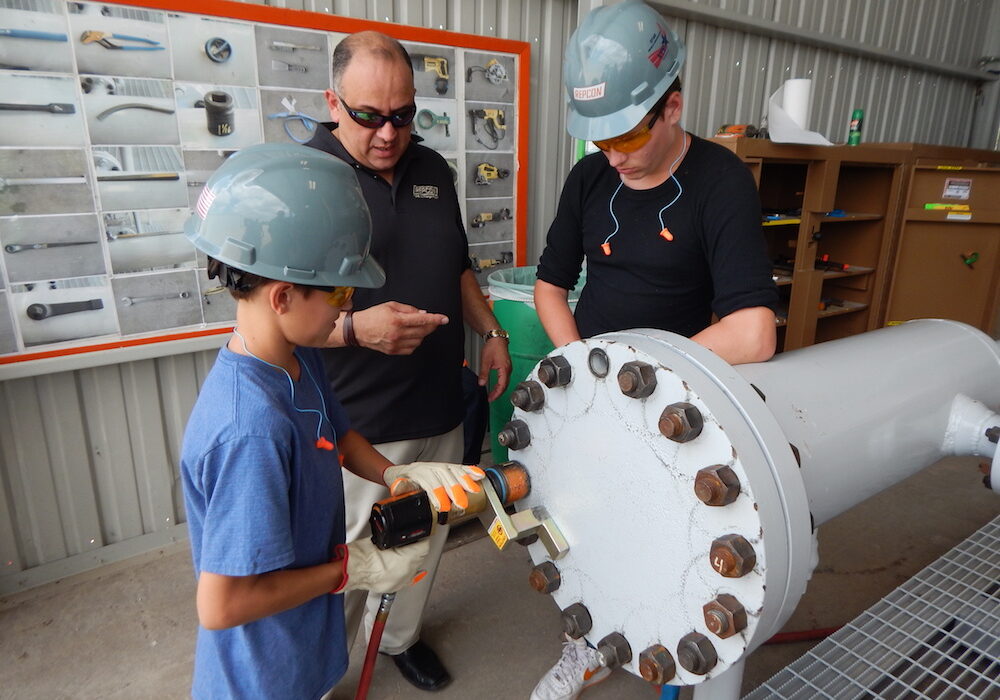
point(403, 627)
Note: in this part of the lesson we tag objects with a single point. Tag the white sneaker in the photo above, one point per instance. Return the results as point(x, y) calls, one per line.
point(579, 667)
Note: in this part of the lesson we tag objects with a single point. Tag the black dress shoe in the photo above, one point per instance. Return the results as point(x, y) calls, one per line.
point(421, 667)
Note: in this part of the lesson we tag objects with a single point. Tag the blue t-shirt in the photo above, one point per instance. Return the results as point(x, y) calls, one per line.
point(260, 496)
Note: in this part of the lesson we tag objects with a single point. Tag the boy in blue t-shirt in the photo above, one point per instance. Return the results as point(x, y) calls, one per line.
point(287, 231)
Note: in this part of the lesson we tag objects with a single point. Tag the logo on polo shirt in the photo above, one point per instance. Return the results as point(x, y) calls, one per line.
point(425, 192)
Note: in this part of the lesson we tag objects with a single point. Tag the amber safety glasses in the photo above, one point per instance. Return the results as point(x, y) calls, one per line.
point(374, 120)
point(338, 296)
point(633, 140)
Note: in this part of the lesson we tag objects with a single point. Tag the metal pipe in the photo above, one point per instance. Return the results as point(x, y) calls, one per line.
point(860, 428)
point(725, 686)
point(721, 513)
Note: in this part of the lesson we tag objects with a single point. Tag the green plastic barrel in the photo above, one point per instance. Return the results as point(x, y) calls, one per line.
point(512, 292)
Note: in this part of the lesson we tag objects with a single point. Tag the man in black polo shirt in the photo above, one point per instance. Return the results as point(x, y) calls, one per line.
point(398, 370)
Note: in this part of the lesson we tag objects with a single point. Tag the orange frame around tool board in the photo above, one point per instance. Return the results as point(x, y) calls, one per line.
point(479, 69)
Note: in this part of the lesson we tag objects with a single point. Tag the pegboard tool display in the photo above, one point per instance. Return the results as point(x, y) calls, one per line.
point(114, 115)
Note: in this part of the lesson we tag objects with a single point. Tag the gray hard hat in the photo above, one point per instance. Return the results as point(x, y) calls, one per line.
point(289, 213)
point(619, 62)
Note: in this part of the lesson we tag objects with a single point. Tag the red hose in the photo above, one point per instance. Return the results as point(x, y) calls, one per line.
point(801, 635)
point(368, 669)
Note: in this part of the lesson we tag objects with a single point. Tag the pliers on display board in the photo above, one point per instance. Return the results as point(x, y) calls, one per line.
point(104, 39)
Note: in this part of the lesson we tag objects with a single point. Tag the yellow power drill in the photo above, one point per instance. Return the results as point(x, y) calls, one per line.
point(434, 64)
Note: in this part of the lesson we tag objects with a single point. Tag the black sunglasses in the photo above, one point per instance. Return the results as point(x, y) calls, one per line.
point(374, 120)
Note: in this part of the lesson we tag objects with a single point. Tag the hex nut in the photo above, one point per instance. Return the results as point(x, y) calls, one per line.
point(987, 469)
point(681, 422)
point(615, 650)
point(528, 396)
point(576, 620)
point(732, 556)
point(725, 616)
point(656, 665)
point(545, 577)
point(515, 435)
point(717, 485)
point(555, 371)
point(696, 653)
point(637, 379)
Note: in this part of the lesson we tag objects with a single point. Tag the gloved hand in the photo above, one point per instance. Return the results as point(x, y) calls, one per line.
point(368, 568)
point(444, 483)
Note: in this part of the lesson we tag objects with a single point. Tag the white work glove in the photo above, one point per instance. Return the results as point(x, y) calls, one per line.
point(368, 568)
point(444, 483)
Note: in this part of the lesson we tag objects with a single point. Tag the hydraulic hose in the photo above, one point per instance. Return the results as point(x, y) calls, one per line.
point(368, 669)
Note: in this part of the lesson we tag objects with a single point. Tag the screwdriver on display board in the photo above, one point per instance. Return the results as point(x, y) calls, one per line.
point(31, 34)
point(52, 107)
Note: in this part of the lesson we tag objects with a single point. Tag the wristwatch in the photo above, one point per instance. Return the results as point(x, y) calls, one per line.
point(496, 333)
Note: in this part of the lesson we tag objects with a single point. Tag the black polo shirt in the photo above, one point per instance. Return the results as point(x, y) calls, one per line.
point(419, 238)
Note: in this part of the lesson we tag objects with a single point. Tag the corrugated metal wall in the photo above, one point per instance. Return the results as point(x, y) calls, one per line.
point(88, 457)
point(89, 465)
point(883, 57)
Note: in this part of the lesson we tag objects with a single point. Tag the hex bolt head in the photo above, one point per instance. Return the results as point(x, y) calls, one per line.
point(637, 379)
point(732, 556)
point(656, 665)
point(615, 650)
point(576, 620)
point(681, 422)
point(696, 653)
point(717, 485)
point(555, 371)
point(725, 616)
point(528, 396)
point(515, 435)
point(545, 577)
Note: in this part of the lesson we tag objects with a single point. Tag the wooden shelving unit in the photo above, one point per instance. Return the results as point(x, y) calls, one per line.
point(917, 227)
point(834, 208)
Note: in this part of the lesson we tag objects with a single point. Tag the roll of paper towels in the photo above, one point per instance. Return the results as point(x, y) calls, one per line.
point(788, 114)
point(796, 100)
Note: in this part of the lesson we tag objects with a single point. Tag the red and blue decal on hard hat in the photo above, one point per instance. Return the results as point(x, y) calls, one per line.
point(205, 200)
point(658, 46)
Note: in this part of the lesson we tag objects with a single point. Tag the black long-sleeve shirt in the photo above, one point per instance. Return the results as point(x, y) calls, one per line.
point(717, 261)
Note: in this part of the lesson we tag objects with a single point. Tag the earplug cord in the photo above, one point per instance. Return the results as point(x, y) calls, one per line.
point(321, 442)
point(606, 246)
point(673, 176)
point(611, 210)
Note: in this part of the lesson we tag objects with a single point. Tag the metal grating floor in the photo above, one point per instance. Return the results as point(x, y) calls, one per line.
point(937, 636)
